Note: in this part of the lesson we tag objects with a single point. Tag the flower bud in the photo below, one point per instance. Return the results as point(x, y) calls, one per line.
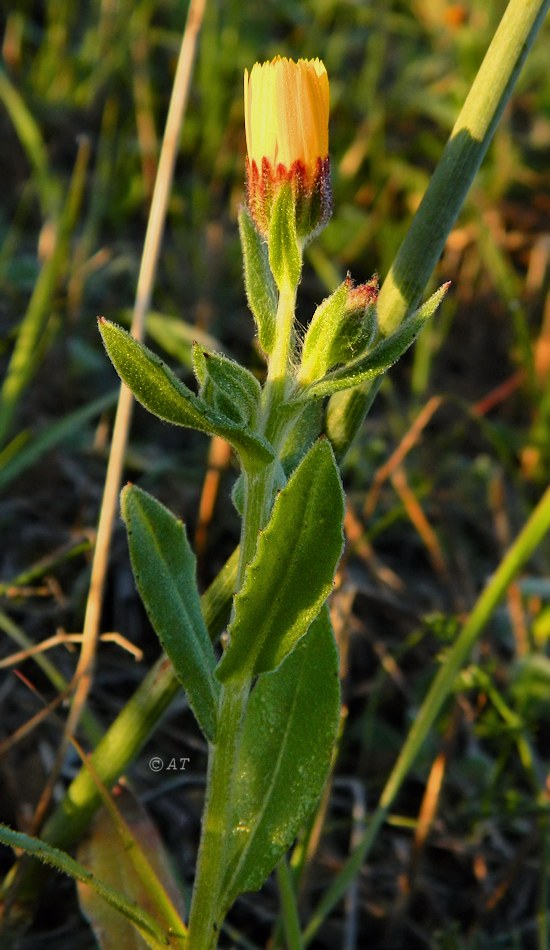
point(286, 119)
point(341, 328)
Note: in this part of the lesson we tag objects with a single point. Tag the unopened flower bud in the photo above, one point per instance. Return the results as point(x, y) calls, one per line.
point(342, 327)
point(286, 118)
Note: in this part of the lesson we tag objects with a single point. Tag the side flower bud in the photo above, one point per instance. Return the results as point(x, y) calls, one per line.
point(286, 119)
point(342, 327)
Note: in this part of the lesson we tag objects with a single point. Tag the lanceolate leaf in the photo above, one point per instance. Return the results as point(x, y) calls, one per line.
point(159, 390)
point(380, 359)
point(164, 570)
point(236, 387)
point(292, 571)
point(289, 732)
point(260, 287)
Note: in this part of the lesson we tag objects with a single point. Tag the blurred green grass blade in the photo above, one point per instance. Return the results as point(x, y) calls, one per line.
point(289, 906)
point(14, 632)
point(46, 565)
point(25, 450)
point(529, 538)
point(30, 136)
point(27, 346)
point(176, 336)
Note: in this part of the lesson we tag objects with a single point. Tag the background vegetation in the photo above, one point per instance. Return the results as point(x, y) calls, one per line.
point(450, 462)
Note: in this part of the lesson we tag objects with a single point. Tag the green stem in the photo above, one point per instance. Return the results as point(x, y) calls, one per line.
point(207, 908)
point(257, 494)
point(287, 895)
point(278, 377)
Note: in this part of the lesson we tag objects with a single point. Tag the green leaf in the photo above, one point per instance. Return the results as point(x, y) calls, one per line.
point(157, 388)
point(289, 731)
point(379, 360)
point(285, 256)
point(237, 390)
point(324, 326)
point(164, 569)
point(151, 931)
point(27, 448)
point(260, 287)
point(292, 572)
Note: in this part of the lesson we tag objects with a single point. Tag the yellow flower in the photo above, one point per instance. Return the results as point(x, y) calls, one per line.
point(286, 107)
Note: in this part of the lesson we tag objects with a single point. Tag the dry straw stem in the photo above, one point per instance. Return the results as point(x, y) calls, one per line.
point(149, 260)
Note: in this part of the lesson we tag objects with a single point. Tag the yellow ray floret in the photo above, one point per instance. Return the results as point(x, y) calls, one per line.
point(286, 113)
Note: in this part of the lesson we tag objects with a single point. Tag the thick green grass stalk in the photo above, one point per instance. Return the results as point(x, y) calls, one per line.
point(463, 154)
point(445, 195)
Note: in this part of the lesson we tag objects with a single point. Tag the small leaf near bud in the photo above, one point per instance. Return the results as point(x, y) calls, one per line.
point(261, 291)
point(226, 385)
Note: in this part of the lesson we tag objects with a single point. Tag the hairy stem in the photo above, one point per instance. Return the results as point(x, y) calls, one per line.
point(207, 907)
